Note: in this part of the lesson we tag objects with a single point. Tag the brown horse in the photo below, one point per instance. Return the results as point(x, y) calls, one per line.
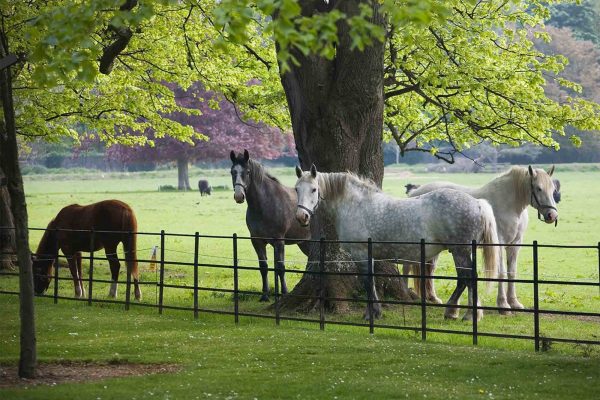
point(113, 221)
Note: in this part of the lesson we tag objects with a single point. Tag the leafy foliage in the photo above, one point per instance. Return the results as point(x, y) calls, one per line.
point(460, 71)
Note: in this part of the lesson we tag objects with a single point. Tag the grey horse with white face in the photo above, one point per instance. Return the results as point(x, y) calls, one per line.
point(361, 211)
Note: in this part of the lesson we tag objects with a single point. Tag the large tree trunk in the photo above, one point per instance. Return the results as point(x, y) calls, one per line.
point(336, 108)
point(8, 247)
point(183, 179)
point(9, 162)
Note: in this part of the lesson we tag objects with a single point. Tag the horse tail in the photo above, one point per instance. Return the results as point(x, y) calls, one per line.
point(129, 225)
point(491, 254)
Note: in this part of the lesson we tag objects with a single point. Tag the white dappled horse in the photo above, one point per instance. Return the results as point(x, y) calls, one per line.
point(509, 195)
point(361, 211)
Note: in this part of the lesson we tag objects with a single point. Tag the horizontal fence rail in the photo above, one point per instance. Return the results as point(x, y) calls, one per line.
point(232, 264)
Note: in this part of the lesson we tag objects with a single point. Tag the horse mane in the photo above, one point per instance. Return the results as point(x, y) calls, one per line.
point(47, 244)
point(258, 172)
point(521, 182)
point(333, 184)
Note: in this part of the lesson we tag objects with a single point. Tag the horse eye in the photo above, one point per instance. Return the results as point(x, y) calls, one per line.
point(314, 190)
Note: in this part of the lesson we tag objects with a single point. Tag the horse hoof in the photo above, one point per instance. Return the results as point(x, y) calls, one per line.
point(413, 295)
point(435, 300)
point(264, 298)
point(516, 305)
point(505, 312)
point(453, 314)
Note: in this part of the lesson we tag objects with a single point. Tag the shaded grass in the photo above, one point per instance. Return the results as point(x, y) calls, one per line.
point(255, 360)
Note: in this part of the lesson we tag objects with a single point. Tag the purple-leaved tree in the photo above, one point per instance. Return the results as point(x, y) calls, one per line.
point(220, 122)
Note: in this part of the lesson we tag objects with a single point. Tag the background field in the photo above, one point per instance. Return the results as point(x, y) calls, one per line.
point(256, 345)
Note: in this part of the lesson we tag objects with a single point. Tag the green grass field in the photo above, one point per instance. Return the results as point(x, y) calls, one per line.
point(345, 358)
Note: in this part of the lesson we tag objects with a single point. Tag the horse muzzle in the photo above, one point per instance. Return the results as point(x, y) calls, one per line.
point(551, 217)
point(303, 217)
point(239, 194)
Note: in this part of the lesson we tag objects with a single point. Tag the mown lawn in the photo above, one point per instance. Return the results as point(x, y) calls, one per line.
point(256, 360)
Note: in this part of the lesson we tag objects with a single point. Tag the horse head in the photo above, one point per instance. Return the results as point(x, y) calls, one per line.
point(542, 194)
point(307, 190)
point(240, 175)
point(41, 265)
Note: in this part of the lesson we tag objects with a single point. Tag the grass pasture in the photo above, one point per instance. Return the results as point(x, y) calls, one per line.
point(255, 358)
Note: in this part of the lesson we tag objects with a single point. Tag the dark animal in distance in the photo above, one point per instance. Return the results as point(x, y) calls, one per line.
point(271, 214)
point(204, 187)
point(113, 222)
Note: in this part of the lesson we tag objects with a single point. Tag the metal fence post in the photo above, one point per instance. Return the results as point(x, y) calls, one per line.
point(423, 296)
point(196, 250)
point(370, 295)
point(56, 268)
point(474, 290)
point(91, 275)
point(321, 286)
point(536, 305)
point(162, 272)
point(276, 286)
point(236, 300)
point(129, 271)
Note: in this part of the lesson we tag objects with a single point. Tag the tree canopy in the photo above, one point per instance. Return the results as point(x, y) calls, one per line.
point(461, 71)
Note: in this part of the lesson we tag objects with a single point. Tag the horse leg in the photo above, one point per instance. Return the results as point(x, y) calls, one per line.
point(371, 291)
point(73, 267)
point(407, 269)
point(431, 295)
point(501, 299)
point(129, 246)
point(115, 266)
point(463, 262)
point(462, 274)
point(279, 247)
point(80, 272)
point(260, 247)
point(512, 252)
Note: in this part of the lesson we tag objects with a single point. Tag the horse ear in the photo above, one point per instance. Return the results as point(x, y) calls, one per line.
point(298, 171)
point(551, 171)
point(313, 171)
point(232, 156)
point(531, 172)
point(246, 155)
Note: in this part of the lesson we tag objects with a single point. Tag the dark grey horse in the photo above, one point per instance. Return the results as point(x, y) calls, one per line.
point(204, 187)
point(270, 217)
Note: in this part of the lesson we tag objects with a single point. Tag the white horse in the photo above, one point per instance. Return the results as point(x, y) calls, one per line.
point(361, 211)
point(509, 195)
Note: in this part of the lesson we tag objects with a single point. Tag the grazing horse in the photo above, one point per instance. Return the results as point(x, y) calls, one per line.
point(204, 187)
point(362, 211)
point(113, 221)
point(269, 217)
point(509, 195)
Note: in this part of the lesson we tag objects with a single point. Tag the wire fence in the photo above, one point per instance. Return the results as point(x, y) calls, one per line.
point(320, 268)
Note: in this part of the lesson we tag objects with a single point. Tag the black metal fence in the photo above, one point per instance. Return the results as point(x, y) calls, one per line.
point(160, 284)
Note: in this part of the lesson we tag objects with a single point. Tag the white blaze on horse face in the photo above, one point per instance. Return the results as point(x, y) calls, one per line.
point(307, 189)
point(543, 197)
point(237, 176)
